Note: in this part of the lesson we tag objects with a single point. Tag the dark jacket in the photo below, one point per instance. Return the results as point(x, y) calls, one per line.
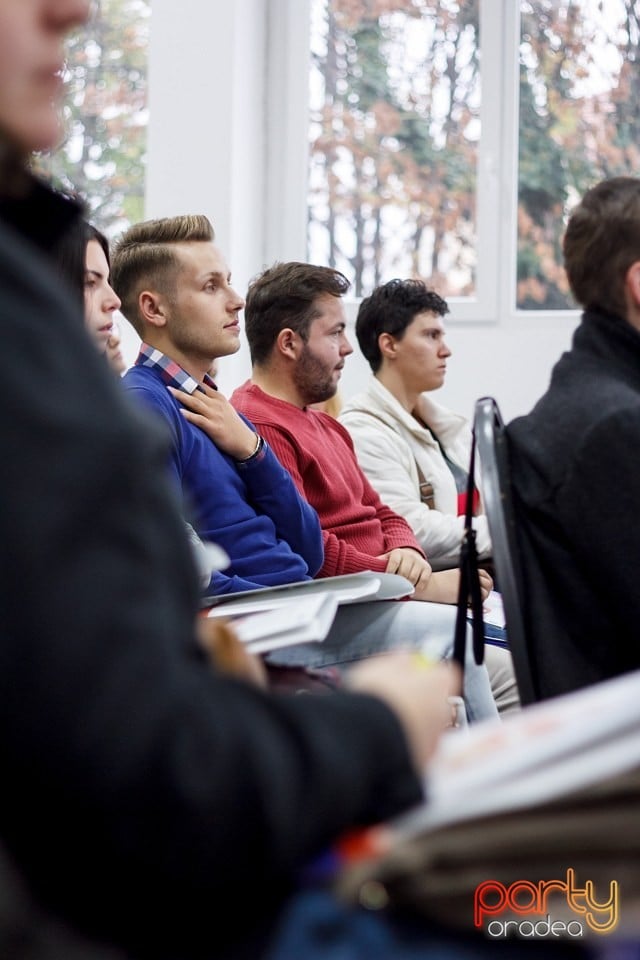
point(575, 469)
point(146, 799)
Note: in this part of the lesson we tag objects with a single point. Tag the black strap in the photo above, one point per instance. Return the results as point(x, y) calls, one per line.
point(469, 591)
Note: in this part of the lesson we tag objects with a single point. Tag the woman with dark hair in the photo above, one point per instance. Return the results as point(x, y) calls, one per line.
point(100, 300)
point(82, 254)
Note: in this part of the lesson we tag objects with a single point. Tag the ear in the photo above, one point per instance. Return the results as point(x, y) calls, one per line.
point(387, 345)
point(633, 283)
point(152, 309)
point(288, 343)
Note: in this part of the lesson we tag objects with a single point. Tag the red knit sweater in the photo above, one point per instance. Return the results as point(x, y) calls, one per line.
point(317, 450)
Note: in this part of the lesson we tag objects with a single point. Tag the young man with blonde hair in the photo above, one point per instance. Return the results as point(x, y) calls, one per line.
point(176, 291)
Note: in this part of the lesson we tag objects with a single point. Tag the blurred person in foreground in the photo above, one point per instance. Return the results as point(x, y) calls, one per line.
point(146, 796)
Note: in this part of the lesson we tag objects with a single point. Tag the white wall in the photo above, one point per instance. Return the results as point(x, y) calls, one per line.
point(206, 129)
point(214, 95)
point(509, 361)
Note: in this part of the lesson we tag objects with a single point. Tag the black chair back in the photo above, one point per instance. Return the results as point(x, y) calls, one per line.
point(491, 446)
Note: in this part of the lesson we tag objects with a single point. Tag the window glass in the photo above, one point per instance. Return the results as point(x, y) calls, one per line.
point(102, 156)
point(579, 123)
point(394, 136)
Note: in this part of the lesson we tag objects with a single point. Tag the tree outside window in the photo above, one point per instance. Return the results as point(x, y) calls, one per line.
point(395, 94)
point(579, 123)
point(103, 154)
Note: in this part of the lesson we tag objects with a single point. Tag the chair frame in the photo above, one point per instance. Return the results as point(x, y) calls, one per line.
point(491, 446)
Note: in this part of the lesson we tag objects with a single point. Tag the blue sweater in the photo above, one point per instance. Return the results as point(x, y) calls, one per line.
point(253, 511)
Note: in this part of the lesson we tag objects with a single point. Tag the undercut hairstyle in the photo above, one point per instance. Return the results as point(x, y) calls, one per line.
point(283, 296)
point(145, 258)
point(601, 242)
point(390, 309)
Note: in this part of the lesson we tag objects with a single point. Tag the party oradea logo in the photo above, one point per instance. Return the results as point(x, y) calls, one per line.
point(544, 910)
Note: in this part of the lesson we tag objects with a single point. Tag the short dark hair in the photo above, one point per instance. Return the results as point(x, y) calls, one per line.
point(282, 296)
point(145, 256)
point(390, 309)
point(601, 242)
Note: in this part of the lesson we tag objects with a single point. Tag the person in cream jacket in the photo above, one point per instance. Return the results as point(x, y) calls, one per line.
point(414, 451)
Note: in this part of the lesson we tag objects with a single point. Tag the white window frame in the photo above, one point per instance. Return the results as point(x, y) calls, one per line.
point(228, 136)
point(288, 64)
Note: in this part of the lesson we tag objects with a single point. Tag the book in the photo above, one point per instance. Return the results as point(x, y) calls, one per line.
point(264, 626)
point(493, 610)
point(493, 618)
point(544, 751)
point(347, 588)
point(550, 795)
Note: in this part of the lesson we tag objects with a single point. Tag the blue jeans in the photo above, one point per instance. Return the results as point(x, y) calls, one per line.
point(362, 630)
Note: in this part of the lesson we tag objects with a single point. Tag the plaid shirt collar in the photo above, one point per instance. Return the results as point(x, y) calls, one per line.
point(172, 374)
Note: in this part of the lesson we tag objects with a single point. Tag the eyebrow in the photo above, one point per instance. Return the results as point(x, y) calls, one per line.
point(216, 275)
point(94, 273)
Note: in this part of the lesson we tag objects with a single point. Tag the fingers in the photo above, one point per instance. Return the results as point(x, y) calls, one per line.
point(200, 420)
point(197, 401)
point(228, 653)
point(204, 411)
point(408, 563)
point(393, 561)
point(424, 577)
point(210, 391)
point(215, 416)
point(486, 583)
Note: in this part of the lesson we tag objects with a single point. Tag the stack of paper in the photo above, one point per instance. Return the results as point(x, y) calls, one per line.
point(281, 621)
point(348, 588)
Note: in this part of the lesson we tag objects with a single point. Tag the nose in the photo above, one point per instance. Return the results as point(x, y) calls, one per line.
point(112, 300)
point(345, 348)
point(236, 302)
point(445, 350)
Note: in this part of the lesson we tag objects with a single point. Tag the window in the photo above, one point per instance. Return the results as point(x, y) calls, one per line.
point(449, 139)
point(394, 133)
point(102, 157)
point(579, 123)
